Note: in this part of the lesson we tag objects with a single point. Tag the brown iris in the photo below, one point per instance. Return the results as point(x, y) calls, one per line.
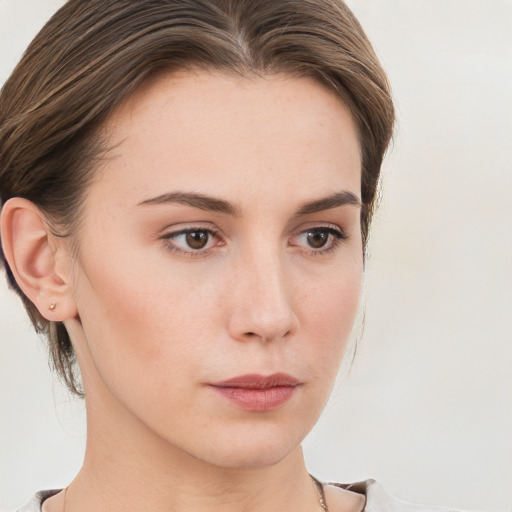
point(317, 239)
point(197, 239)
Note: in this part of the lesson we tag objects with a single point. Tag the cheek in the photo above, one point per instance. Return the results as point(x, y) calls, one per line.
point(329, 311)
point(139, 317)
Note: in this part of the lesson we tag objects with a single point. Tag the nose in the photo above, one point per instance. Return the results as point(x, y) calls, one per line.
point(262, 300)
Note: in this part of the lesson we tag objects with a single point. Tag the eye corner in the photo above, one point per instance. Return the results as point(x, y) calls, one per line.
point(178, 241)
point(330, 237)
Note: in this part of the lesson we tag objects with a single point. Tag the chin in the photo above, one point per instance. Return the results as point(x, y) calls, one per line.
point(252, 458)
point(251, 449)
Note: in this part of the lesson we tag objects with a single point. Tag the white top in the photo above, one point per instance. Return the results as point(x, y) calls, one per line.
point(377, 499)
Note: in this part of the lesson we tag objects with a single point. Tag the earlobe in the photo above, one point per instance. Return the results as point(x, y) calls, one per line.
point(32, 254)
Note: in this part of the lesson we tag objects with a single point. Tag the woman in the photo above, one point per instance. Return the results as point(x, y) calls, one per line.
point(186, 190)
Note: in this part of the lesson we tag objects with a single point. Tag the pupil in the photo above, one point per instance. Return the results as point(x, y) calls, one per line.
point(317, 239)
point(197, 239)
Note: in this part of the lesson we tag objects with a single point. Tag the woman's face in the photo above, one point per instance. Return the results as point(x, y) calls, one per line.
point(220, 264)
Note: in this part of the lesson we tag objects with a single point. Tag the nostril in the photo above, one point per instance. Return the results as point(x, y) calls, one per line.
point(251, 334)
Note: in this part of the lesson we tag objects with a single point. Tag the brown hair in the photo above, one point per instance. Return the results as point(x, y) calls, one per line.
point(93, 54)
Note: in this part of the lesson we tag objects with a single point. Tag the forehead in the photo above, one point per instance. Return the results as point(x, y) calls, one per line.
point(209, 130)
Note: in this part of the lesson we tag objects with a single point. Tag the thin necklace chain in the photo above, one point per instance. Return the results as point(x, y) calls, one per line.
point(321, 494)
point(65, 495)
point(318, 487)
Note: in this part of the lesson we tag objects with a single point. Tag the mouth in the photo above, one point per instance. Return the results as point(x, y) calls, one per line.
point(258, 393)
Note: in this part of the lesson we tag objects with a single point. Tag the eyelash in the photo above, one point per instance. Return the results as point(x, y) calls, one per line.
point(336, 238)
point(191, 253)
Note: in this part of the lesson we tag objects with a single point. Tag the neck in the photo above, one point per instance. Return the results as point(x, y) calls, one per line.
point(248, 490)
point(131, 482)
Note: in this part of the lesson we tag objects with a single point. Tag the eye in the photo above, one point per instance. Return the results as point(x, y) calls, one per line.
point(320, 239)
point(191, 241)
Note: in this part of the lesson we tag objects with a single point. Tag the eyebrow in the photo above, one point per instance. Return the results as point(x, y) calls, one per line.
point(200, 201)
point(327, 203)
point(216, 205)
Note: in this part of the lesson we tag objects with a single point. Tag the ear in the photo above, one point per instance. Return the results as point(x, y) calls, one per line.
point(39, 261)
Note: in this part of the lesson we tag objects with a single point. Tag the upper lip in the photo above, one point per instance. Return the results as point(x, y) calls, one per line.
point(256, 381)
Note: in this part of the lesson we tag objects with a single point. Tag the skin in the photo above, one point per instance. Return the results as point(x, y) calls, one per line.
point(154, 322)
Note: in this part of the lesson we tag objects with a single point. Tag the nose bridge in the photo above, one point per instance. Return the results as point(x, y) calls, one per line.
point(263, 305)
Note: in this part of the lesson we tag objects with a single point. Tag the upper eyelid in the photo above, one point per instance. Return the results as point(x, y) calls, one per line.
point(188, 226)
point(319, 226)
point(182, 231)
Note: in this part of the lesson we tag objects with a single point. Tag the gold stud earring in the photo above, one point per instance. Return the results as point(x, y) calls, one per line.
point(52, 306)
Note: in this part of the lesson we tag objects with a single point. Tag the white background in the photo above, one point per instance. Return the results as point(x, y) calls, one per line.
point(427, 406)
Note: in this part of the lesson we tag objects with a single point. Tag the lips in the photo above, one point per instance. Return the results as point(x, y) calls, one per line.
point(258, 393)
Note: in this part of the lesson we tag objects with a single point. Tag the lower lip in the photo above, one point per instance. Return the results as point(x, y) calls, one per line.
point(257, 400)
